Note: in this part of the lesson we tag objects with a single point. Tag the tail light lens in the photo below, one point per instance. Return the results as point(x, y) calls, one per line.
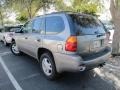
point(71, 44)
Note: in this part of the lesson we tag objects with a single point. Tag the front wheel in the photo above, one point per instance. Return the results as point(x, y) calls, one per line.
point(48, 66)
point(14, 49)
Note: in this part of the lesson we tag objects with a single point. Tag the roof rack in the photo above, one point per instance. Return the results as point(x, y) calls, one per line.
point(62, 12)
point(67, 12)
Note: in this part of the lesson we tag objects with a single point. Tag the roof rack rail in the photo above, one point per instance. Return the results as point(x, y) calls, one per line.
point(62, 12)
point(67, 12)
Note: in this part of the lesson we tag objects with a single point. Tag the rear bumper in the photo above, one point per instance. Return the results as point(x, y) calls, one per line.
point(73, 63)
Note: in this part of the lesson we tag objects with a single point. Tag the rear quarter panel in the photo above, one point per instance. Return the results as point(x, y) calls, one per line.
point(56, 43)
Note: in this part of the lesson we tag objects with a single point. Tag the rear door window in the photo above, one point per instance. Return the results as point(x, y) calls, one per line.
point(38, 25)
point(87, 24)
point(54, 25)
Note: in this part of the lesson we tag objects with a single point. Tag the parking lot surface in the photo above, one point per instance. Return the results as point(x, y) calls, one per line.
point(26, 72)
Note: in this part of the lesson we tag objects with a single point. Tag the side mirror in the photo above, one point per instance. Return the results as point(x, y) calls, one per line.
point(19, 31)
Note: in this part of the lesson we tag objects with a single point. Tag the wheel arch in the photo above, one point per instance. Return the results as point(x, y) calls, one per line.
point(43, 50)
point(13, 40)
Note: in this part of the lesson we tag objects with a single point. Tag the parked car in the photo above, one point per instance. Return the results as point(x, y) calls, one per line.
point(63, 42)
point(1, 33)
point(6, 36)
point(1, 36)
point(110, 27)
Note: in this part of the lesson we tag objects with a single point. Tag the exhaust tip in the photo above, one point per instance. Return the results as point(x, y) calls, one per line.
point(101, 65)
point(82, 68)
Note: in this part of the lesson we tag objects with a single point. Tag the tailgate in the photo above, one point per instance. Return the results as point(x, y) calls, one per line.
point(90, 33)
point(90, 43)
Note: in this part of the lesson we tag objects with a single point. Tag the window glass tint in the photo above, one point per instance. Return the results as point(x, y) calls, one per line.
point(54, 25)
point(27, 28)
point(37, 25)
point(14, 29)
point(87, 24)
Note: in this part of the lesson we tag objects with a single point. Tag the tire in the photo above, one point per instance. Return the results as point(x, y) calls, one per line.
point(15, 52)
point(52, 73)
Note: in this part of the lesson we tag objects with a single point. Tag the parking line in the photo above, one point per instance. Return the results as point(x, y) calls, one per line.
point(11, 77)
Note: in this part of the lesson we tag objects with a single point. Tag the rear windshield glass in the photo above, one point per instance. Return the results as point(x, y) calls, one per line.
point(86, 24)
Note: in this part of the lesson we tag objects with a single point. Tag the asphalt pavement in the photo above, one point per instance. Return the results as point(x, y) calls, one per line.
point(23, 72)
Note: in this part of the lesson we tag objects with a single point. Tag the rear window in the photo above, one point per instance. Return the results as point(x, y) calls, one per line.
point(86, 24)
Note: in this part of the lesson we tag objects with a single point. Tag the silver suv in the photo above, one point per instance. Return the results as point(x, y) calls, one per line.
point(63, 41)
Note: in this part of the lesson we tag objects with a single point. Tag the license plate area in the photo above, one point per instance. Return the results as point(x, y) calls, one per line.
point(97, 44)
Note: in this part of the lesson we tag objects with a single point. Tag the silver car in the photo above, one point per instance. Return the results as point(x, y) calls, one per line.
point(6, 37)
point(63, 41)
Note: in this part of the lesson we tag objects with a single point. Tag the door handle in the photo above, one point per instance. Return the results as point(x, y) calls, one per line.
point(38, 40)
point(100, 35)
point(26, 37)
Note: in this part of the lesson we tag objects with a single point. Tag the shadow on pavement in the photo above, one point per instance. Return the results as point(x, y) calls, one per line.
point(3, 48)
point(26, 71)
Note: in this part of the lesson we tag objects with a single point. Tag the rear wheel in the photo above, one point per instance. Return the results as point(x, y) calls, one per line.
point(48, 66)
point(14, 49)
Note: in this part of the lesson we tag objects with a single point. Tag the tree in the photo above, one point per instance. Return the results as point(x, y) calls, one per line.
point(61, 6)
point(27, 9)
point(2, 10)
point(115, 12)
point(85, 6)
point(1, 17)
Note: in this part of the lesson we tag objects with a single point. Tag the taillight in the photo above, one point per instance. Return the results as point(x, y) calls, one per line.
point(71, 44)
